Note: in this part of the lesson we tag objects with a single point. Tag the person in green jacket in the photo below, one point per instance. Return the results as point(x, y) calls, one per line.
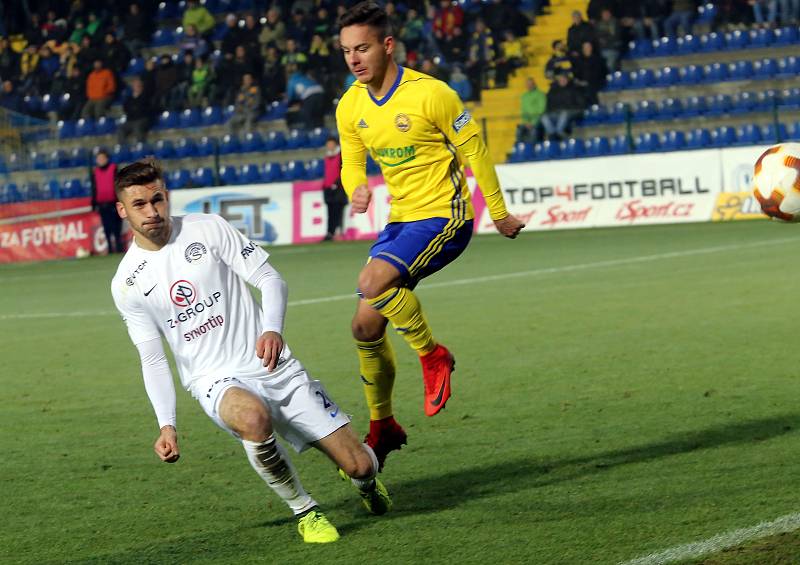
point(199, 17)
point(533, 104)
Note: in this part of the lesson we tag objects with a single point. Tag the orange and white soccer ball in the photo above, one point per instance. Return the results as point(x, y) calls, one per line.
point(776, 182)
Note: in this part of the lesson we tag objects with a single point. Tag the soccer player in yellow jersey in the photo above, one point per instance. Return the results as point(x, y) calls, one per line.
point(417, 130)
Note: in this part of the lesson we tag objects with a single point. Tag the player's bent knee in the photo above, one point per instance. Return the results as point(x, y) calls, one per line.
point(358, 465)
point(253, 424)
point(245, 414)
point(367, 331)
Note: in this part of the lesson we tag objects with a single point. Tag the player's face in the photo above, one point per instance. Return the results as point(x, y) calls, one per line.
point(366, 53)
point(146, 207)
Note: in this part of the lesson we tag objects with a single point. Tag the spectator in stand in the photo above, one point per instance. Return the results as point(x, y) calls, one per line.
point(447, 22)
point(231, 38)
point(597, 6)
point(87, 54)
point(273, 32)
point(533, 105)
point(512, 57)
point(242, 64)
point(9, 60)
point(249, 36)
point(430, 68)
point(765, 12)
point(10, 98)
point(248, 106)
point(590, 72)
point(609, 39)
point(333, 193)
point(502, 16)
point(100, 89)
point(322, 23)
point(75, 86)
point(48, 65)
point(559, 61)
point(318, 52)
point(149, 81)
point(115, 54)
point(460, 83)
point(306, 99)
point(564, 103)
point(790, 12)
point(413, 30)
point(579, 32)
point(652, 14)
point(202, 81)
point(165, 80)
point(682, 16)
point(138, 115)
point(273, 75)
point(29, 70)
point(193, 43)
point(298, 28)
point(394, 19)
point(185, 68)
point(104, 200)
point(93, 26)
point(78, 33)
point(481, 57)
point(199, 17)
point(136, 29)
point(293, 55)
point(731, 14)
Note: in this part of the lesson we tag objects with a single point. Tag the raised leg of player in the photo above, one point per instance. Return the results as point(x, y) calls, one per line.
point(248, 416)
point(375, 359)
point(358, 461)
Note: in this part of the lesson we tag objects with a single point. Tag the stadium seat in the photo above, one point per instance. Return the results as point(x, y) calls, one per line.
point(618, 145)
point(669, 108)
point(297, 139)
point(252, 142)
point(37, 160)
point(167, 120)
point(618, 80)
point(74, 188)
point(294, 170)
point(49, 103)
point(695, 106)
point(741, 70)
point(167, 10)
point(84, 127)
point(189, 118)
point(32, 103)
point(79, 157)
point(619, 113)
point(597, 146)
point(317, 137)
point(228, 145)
point(277, 110)
point(11, 194)
point(723, 136)
point(206, 146)
point(203, 176)
point(718, 105)
point(546, 150)
point(57, 159)
point(664, 47)
point(211, 116)
point(743, 103)
point(643, 78)
point(104, 126)
point(668, 76)
point(276, 141)
point(711, 42)
point(771, 134)
point(272, 172)
point(647, 142)
point(785, 36)
point(690, 74)
point(15, 163)
point(249, 174)
point(140, 150)
point(595, 114)
point(228, 175)
point(164, 149)
point(119, 154)
point(687, 45)
point(736, 39)
point(522, 152)
point(227, 112)
point(790, 98)
point(162, 37)
point(644, 110)
point(761, 37)
point(767, 100)
point(185, 147)
point(673, 140)
point(765, 68)
point(748, 134)
point(572, 148)
point(52, 188)
point(715, 72)
point(640, 48)
point(315, 169)
point(135, 67)
point(788, 66)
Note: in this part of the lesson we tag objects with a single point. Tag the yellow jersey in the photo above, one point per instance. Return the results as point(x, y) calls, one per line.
point(412, 133)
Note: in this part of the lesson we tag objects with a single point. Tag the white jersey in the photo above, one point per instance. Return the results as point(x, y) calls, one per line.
point(193, 291)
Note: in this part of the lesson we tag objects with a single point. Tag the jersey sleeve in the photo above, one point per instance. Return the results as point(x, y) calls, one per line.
point(448, 113)
point(354, 152)
point(141, 327)
point(235, 250)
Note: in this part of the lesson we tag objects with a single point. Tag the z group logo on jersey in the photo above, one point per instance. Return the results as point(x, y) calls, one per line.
point(182, 293)
point(195, 252)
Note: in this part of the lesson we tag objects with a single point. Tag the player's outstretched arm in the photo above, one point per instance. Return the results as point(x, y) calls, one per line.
point(166, 446)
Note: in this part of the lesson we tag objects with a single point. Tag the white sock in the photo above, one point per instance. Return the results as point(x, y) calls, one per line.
point(368, 483)
point(272, 464)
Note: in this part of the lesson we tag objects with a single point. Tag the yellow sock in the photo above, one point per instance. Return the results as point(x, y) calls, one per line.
point(376, 362)
point(402, 308)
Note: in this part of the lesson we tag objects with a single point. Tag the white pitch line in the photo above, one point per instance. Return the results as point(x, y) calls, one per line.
point(695, 550)
point(470, 280)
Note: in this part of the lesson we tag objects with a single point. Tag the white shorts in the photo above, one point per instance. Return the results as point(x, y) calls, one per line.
point(301, 410)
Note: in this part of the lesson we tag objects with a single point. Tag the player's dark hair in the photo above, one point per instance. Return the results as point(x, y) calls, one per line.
point(368, 14)
point(143, 171)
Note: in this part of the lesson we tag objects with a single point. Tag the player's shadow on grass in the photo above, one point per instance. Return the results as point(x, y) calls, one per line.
point(435, 492)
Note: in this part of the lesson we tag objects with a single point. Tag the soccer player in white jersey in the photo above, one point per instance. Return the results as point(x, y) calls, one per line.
point(184, 278)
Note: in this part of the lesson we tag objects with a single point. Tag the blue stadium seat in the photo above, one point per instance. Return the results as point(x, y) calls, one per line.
point(748, 134)
point(771, 134)
point(788, 66)
point(57, 159)
point(786, 36)
point(723, 136)
point(64, 101)
point(643, 78)
point(597, 146)
point(167, 120)
point(743, 103)
point(227, 112)
point(664, 47)
point(37, 160)
point(668, 76)
point(135, 67)
point(189, 118)
point(767, 100)
point(644, 110)
point(276, 111)
point(211, 116)
point(618, 80)
point(294, 170)
point(32, 103)
point(14, 162)
point(297, 139)
point(249, 174)
point(79, 157)
point(765, 68)
point(29, 191)
point(790, 98)
point(228, 175)
point(669, 108)
point(715, 72)
point(690, 74)
point(761, 37)
point(272, 172)
point(164, 149)
point(736, 39)
point(317, 137)
point(640, 48)
point(185, 147)
point(618, 113)
point(52, 188)
point(276, 141)
point(203, 176)
point(522, 152)
point(219, 32)
point(741, 70)
point(228, 144)
point(206, 146)
point(11, 194)
point(74, 188)
point(315, 169)
point(647, 142)
point(618, 145)
point(687, 45)
point(119, 154)
point(49, 103)
point(673, 140)
point(572, 148)
point(162, 37)
point(718, 105)
point(140, 150)
point(252, 142)
point(711, 42)
point(546, 150)
point(104, 126)
point(167, 10)
point(695, 106)
point(706, 14)
point(595, 114)
point(84, 127)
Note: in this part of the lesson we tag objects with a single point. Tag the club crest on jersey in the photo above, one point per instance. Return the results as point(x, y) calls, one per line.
point(194, 252)
point(402, 122)
point(182, 293)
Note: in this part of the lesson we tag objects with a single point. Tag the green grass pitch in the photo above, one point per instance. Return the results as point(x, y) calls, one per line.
point(618, 392)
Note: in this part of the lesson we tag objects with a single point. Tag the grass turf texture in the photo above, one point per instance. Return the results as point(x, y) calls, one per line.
point(598, 414)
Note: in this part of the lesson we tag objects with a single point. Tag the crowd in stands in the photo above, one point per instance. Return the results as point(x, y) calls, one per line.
point(579, 65)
